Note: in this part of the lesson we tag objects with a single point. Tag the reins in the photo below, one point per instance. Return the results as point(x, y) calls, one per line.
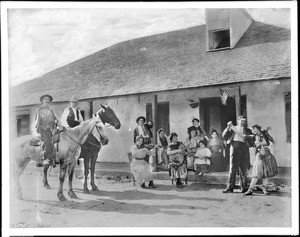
point(87, 135)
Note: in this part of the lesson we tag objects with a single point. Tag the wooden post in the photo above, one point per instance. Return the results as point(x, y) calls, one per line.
point(91, 109)
point(238, 103)
point(154, 112)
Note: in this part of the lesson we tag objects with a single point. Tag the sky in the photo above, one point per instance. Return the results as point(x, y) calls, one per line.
point(41, 40)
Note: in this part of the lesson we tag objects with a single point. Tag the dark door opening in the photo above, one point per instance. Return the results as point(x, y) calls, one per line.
point(213, 115)
point(163, 112)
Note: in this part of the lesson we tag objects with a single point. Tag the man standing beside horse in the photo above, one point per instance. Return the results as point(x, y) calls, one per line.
point(45, 124)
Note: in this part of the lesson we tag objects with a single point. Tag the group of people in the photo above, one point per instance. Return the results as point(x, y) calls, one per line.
point(198, 152)
point(203, 154)
point(46, 124)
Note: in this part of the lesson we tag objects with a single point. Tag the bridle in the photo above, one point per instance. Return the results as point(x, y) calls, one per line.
point(97, 146)
point(106, 124)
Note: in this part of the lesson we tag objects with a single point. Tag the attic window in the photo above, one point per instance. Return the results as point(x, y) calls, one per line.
point(219, 39)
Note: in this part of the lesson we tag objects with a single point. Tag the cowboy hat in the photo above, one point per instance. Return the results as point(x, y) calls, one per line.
point(74, 99)
point(43, 96)
point(141, 117)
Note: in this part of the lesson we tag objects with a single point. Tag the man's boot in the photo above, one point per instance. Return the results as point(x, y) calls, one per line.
point(249, 192)
point(151, 185)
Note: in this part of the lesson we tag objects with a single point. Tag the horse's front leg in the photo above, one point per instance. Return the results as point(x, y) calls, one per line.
point(86, 173)
point(93, 165)
point(71, 167)
point(62, 173)
point(45, 178)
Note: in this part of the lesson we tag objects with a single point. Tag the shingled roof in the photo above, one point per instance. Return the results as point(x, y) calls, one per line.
point(172, 60)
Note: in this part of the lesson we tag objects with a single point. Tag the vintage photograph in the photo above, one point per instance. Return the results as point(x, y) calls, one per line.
point(150, 115)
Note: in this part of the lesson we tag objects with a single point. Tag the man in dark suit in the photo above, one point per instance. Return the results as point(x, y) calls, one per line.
point(238, 138)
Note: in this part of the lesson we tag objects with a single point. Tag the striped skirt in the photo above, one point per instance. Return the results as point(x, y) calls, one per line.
point(265, 166)
point(177, 171)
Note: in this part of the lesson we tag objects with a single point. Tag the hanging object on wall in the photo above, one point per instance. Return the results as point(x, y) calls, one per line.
point(193, 103)
point(224, 96)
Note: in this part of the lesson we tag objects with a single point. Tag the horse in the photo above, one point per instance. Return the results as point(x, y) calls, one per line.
point(91, 148)
point(68, 150)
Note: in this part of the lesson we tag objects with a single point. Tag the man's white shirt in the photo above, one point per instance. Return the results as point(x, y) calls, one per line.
point(65, 116)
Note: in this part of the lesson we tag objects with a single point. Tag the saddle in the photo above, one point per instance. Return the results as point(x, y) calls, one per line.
point(36, 141)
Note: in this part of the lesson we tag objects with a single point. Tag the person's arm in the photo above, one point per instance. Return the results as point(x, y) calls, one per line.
point(80, 116)
point(208, 152)
point(226, 131)
point(37, 121)
point(172, 152)
point(139, 153)
point(64, 118)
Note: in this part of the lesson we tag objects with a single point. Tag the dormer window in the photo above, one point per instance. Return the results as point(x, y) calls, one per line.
point(225, 27)
point(219, 39)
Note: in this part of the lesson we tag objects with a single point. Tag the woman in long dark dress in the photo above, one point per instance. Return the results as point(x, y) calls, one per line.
point(177, 163)
point(216, 145)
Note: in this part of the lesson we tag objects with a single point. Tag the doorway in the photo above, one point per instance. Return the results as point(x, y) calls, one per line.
point(214, 115)
point(163, 112)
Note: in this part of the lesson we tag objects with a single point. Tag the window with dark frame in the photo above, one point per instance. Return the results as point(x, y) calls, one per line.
point(23, 125)
point(287, 101)
point(219, 39)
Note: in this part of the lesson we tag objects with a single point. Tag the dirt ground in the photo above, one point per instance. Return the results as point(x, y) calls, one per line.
point(119, 203)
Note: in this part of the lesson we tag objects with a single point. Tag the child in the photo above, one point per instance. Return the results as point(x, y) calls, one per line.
point(202, 158)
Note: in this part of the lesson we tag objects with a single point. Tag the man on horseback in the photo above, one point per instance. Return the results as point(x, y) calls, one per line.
point(45, 124)
point(71, 116)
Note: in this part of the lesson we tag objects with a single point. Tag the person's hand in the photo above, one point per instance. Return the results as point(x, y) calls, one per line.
point(220, 150)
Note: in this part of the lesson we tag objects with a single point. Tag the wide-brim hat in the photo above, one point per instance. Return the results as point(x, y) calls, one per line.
point(74, 99)
point(43, 96)
point(256, 126)
point(141, 117)
point(196, 120)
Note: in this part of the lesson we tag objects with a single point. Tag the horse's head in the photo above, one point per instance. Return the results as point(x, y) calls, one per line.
point(107, 115)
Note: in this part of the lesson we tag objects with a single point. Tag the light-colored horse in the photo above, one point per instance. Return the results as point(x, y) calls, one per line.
point(91, 148)
point(68, 151)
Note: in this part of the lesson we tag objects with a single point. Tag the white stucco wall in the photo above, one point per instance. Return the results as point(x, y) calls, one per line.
point(265, 106)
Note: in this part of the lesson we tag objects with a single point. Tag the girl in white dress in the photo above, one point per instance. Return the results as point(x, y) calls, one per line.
point(202, 157)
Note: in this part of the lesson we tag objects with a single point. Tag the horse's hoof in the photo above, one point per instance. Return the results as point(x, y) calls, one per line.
point(72, 194)
point(61, 197)
point(47, 186)
point(85, 190)
point(95, 188)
